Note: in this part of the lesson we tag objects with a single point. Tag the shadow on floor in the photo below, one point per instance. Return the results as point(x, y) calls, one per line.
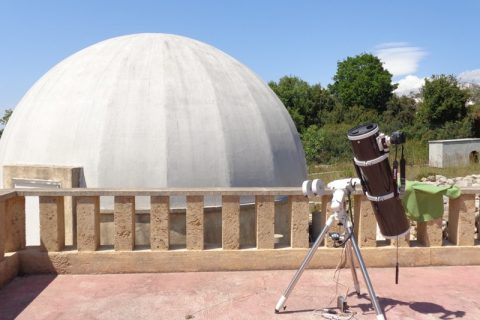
point(420, 307)
point(20, 292)
point(428, 307)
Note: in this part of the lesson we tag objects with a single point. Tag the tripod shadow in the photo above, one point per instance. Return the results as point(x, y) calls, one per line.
point(420, 307)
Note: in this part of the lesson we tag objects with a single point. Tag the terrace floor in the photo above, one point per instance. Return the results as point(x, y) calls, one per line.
point(423, 293)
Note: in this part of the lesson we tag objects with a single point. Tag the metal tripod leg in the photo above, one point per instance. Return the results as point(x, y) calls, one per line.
point(306, 260)
point(363, 268)
point(352, 267)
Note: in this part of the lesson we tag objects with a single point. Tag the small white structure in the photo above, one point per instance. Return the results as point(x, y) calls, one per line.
point(445, 153)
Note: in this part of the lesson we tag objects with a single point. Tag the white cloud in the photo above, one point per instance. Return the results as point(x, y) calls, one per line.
point(399, 58)
point(409, 84)
point(412, 84)
point(471, 76)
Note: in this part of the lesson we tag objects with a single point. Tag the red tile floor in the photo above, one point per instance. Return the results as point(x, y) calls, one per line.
point(423, 293)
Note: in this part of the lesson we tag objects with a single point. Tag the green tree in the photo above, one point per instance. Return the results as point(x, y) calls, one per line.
point(400, 113)
point(474, 93)
point(4, 119)
point(327, 144)
point(474, 115)
point(303, 101)
point(352, 116)
point(443, 101)
point(362, 81)
point(313, 140)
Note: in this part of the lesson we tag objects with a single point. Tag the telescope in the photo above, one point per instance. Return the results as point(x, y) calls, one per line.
point(379, 184)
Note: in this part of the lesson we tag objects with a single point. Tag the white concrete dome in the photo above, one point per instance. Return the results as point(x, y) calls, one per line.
point(156, 110)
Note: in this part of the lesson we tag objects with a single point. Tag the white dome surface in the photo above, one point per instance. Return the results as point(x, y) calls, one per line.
point(156, 110)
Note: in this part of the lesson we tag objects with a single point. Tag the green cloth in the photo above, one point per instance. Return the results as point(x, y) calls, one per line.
point(424, 202)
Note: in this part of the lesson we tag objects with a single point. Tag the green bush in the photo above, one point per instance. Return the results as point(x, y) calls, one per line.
point(328, 144)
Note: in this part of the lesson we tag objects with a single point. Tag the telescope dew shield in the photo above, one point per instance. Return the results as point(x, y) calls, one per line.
point(374, 171)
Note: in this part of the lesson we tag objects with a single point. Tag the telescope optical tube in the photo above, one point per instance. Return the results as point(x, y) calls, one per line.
point(375, 173)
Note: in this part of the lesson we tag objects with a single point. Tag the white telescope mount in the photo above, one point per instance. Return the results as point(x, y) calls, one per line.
point(341, 189)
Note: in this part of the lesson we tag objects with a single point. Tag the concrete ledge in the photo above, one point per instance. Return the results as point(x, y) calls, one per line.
point(146, 261)
point(275, 191)
point(6, 194)
point(9, 267)
point(226, 191)
point(455, 256)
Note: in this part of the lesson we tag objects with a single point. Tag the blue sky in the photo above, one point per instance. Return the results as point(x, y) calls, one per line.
point(415, 39)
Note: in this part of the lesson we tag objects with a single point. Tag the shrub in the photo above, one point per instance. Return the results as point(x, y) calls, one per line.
point(327, 145)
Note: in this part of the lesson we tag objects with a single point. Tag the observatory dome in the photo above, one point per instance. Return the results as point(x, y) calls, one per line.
point(156, 110)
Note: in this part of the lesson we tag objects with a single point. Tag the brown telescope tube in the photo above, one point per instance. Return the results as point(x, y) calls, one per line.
point(374, 171)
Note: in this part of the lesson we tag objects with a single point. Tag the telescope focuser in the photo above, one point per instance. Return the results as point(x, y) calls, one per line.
point(384, 141)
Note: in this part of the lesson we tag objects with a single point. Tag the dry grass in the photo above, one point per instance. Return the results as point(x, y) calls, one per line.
point(331, 172)
point(416, 155)
point(414, 172)
point(417, 172)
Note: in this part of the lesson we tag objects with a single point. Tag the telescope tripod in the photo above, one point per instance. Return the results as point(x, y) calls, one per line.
point(342, 217)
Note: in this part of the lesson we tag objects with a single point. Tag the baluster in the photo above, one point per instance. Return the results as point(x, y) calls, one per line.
point(52, 223)
point(265, 213)
point(194, 223)
point(365, 222)
point(461, 220)
point(15, 220)
point(3, 229)
point(430, 233)
point(88, 223)
point(299, 211)
point(230, 222)
point(159, 222)
point(403, 241)
point(357, 201)
point(124, 223)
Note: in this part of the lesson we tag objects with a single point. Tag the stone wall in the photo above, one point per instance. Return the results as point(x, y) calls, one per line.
point(212, 230)
point(67, 177)
point(460, 247)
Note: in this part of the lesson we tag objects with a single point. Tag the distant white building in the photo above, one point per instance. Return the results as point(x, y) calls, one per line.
point(445, 153)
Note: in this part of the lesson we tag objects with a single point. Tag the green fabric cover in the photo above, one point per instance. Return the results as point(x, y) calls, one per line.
point(424, 202)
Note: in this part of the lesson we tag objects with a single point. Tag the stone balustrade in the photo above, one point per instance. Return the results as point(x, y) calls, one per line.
point(87, 255)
